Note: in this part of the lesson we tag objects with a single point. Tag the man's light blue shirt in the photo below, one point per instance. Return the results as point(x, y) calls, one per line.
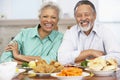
point(30, 44)
point(75, 41)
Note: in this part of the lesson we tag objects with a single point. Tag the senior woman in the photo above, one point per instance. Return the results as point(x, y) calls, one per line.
point(41, 42)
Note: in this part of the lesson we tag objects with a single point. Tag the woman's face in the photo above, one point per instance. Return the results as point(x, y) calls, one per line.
point(48, 19)
point(85, 17)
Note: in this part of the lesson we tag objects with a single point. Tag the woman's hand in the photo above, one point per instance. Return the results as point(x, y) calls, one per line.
point(14, 48)
point(17, 56)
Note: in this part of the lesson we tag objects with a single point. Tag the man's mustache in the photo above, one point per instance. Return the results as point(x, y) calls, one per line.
point(83, 21)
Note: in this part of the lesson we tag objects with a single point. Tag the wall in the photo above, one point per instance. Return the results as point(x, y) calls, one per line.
point(115, 27)
point(28, 9)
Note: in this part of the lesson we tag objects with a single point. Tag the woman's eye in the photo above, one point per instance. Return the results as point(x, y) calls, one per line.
point(44, 16)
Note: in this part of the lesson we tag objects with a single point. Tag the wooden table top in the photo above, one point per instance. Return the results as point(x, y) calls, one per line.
point(23, 76)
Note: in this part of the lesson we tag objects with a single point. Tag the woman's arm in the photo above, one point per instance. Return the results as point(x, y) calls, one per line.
point(14, 48)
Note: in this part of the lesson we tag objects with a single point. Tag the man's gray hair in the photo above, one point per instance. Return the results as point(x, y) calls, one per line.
point(86, 2)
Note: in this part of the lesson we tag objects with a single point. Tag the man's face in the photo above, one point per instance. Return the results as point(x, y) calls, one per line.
point(85, 17)
point(48, 19)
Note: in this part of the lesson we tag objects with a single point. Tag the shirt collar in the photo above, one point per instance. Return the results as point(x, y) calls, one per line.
point(35, 31)
point(51, 36)
point(95, 29)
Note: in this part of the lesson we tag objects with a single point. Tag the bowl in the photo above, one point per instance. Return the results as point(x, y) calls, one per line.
point(84, 74)
point(39, 74)
point(7, 70)
point(103, 73)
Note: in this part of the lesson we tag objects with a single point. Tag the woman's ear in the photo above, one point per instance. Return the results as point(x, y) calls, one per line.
point(39, 16)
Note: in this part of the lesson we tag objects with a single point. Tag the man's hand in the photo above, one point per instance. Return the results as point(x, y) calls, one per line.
point(96, 53)
point(88, 53)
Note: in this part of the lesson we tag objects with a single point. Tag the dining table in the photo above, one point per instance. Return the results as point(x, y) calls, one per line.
point(24, 76)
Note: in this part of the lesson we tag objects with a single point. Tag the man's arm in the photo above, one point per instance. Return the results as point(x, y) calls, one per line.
point(68, 50)
point(86, 53)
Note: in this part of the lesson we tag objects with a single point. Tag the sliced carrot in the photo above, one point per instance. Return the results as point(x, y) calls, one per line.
point(71, 71)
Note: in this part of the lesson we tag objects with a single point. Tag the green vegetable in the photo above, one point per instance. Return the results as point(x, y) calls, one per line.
point(24, 64)
point(84, 63)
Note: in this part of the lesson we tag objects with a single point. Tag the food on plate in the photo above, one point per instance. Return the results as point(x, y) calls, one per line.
point(43, 67)
point(29, 65)
point(71, 71)
point(112, 62)
point(101, 64)
point(84, 63)
point(41, 61)
point(31, 74)
point(17, 70)
point(107, 68)
point(32, 64)
point(25, 64)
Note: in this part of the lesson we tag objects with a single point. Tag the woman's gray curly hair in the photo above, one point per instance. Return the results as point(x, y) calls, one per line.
point(51, 5)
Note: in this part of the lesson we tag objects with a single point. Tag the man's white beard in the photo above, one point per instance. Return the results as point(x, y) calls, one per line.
point(85, 28)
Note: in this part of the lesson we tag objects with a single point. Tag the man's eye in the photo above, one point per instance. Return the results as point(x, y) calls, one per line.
point(79, 15)
point(87, 15)
point(54, 17)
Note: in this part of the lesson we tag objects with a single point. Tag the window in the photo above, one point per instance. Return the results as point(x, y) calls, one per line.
point(108, 10)
point(25, 9)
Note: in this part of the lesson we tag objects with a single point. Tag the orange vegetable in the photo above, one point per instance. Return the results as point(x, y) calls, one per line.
point(70, 71)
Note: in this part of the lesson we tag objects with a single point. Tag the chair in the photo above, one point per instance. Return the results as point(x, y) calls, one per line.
point(68, 27)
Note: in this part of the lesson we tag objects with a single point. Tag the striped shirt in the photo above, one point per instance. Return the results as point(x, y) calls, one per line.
point(31, 44)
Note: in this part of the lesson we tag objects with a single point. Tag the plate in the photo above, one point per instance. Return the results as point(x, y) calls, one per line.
point(84, 74)
point(39, 74)
point(103, 73)
point(27, 68)
point(76, 65)
point(79, 66)
point(19, 71)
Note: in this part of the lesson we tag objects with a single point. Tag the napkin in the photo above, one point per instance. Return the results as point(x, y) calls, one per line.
point(7, 70)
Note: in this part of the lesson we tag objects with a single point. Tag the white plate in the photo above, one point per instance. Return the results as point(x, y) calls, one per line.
point(103, 73)
point(39, 74)
point(84, 74)
point(27, 68)
point(43, 74)
point(19, 71)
